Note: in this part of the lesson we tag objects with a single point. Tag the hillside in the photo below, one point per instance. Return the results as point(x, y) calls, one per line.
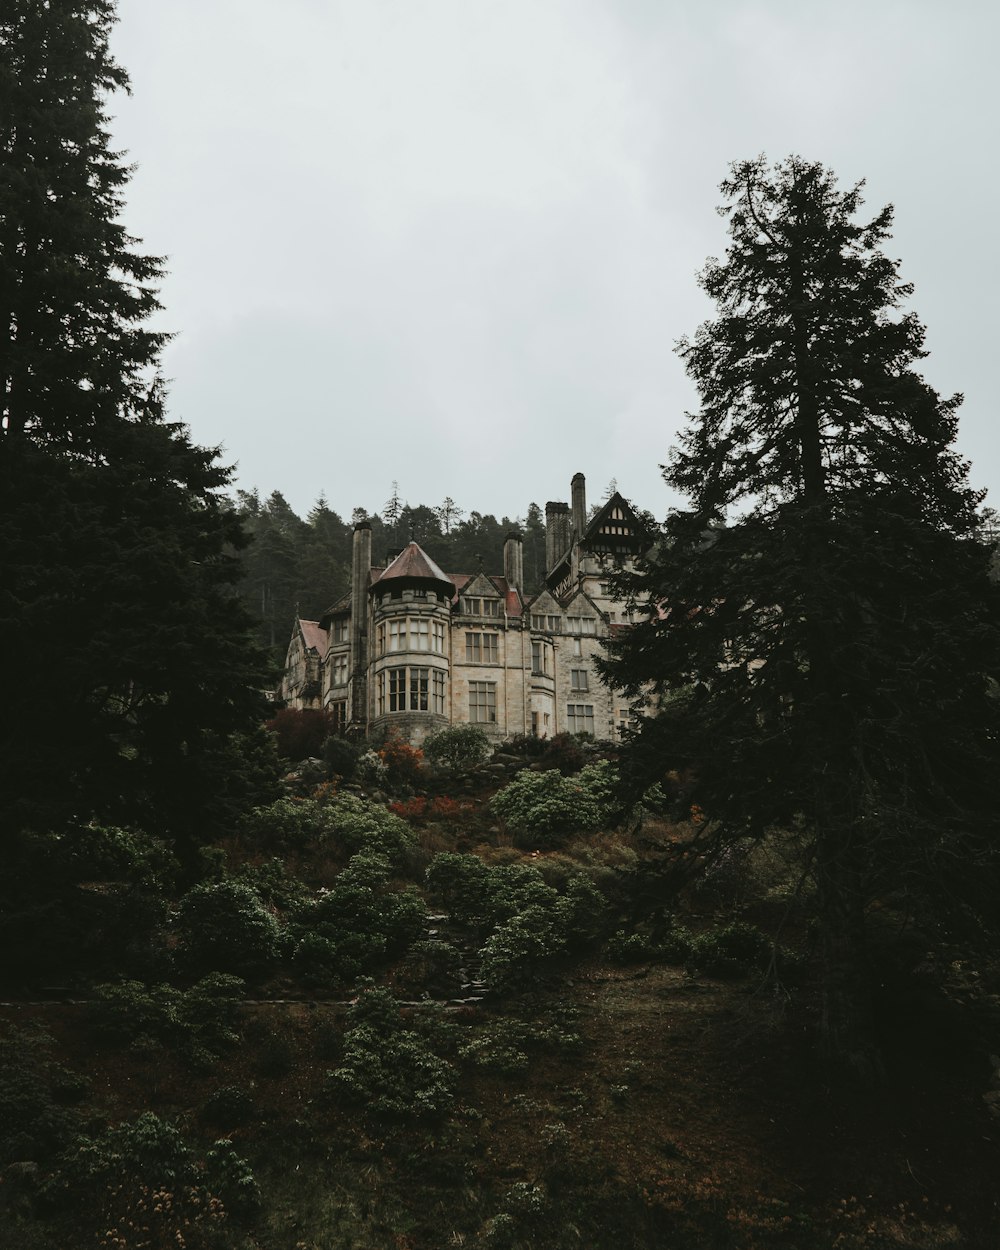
point(624, 1077)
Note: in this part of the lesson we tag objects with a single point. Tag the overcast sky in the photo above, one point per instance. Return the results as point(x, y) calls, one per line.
point(453, 242)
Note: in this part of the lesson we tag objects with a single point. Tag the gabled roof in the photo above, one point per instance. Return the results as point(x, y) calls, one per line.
point(312, 635)
point(511, 599)
point(615, 529)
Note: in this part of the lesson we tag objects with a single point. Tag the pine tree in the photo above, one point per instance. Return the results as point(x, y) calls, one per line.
point(823, 632)
point(125, 658)
point(75, 297)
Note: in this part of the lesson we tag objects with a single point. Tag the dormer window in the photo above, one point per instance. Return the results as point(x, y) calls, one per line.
point(340, 630)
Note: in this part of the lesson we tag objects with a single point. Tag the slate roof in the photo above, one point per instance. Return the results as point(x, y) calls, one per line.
point(312, 635)
point(413, 563)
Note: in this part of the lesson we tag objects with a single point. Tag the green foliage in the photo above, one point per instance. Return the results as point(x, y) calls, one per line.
point(199, 1024)
point(542, 808)
point(458, 747)
point(99, 853)
point(371, 770)
point(37, 1115)
point(388, 1069)
point(506, 1045)
point(826, 627)
point(104, 505)
point(531, 921)
point(344, 821)
point(231, 1106)
point(143, 1183)
point(563, 751)
point(223, 925)
point(63, 912)
point(357, 925)
point(341, 755)
point(730, 951)
point(273, 885)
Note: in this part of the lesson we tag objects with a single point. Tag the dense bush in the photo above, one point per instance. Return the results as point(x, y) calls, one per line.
point(483, 895)
point(141, 1183)
point(273, 884)
point(402, 762)
point(223, 926)
point(343, 821)
point(341, 755)
point(531, 921)
point(83, 900)
point(387, 1068)
point(198, 1024)
point(37, 1118)
point(564, 752)
point(460, 746)
point(357, 925)
point(300, 733)
point(542, 808)
point(731, 951)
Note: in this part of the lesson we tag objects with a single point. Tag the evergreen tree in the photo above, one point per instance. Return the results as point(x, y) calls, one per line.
point(75, 349)
point(125, 658)
point(823, 632)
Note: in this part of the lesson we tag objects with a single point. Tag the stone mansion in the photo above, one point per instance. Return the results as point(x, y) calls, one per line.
point(414, 649)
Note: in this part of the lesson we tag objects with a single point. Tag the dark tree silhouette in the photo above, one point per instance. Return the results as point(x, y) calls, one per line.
point(822, 631)
point(124, 651)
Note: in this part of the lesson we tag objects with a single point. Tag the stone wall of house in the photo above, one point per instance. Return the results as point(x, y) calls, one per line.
point(413, 655)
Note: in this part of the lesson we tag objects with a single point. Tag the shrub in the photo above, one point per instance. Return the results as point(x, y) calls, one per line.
point(287, 824)
point(36, 1097)
point(387, 1068)
point(371, 769)
point(101, 853)
point(341, 755)
point(271, 883)
point(531, 921)
point(300, 733)
point(141, 1183)
point(348, 822)
point(541, 808)
point(357, 925)
point(504, 1046)
point(223, 925)
point(228, 1107)
point(511, 954)
point(432, 966)
point(461, 746)
point(402, 762)
point(728, 952)
point(198, 1024)
point(420, 808)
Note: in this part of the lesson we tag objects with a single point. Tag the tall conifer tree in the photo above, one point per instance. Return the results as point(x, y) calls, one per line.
point(122, 647)
point(823, 633)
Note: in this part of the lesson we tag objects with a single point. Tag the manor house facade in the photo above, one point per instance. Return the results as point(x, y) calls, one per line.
point(413, 649)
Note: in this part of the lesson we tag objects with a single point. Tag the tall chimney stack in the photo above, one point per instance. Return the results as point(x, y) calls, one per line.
point(513, 561)
point(579, 496)
point(361, 564)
